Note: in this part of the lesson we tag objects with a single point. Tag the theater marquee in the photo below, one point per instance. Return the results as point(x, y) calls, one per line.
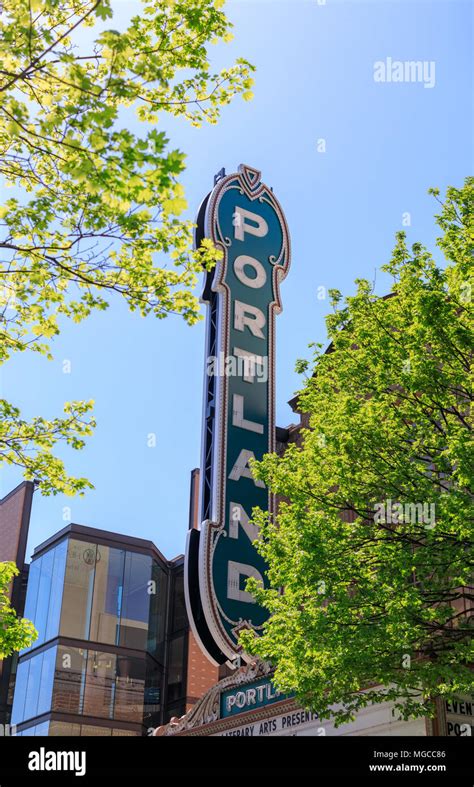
point(247, 704)
point(245, 220)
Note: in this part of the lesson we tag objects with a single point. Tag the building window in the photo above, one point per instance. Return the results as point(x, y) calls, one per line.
point(56, 595)
point(21, 685)
point(32, 690)
point(44, 593)
point(36, 729)
point(176, 688)
point(46, 681)
point(108, 595)
point(78, 587)
point(99, 693)
point(136, 600)
point(42, 728)
point(68, 692)
point(179, 605)
point(129, 688)
point(158, 612)
point(152, 699)
point(34, 686)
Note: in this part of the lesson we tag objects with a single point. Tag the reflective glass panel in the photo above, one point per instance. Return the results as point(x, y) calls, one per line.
point(29, 731)
point(32, 690)
point(19, 696)
point(46, 681)
point(44, 592)
point(176, 669)
point(153, 689)
point(108, 592)
point(179, 605)
point(78, 587)
point(69, 679)
point(158, 612)
point(99, 690)
point(136, 600)
point(57, 588)
point(129, 688)
point(42, 729)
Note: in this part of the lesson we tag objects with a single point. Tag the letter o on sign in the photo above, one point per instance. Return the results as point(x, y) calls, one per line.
point(240, 699)
point(239, 267)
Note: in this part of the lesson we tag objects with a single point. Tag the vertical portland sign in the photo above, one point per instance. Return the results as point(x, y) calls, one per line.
point(243, 219)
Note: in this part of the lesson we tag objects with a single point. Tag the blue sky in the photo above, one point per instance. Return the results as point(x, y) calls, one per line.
point(386, 144)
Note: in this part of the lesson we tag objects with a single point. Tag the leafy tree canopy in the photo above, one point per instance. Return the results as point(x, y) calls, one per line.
point(372, 542)
point(15, 633)
point(94, 208)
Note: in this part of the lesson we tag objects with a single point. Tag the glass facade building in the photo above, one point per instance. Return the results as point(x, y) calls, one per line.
point(110, 657)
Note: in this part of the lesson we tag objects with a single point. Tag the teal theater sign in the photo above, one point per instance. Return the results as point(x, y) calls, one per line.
point(245, 220)
point(249, 696)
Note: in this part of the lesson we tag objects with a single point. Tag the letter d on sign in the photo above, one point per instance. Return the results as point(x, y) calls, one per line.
point(234, 573)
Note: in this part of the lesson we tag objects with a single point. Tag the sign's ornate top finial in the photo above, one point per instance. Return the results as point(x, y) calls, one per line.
point(251, 176)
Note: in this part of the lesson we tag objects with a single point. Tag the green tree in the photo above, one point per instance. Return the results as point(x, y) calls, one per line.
point(95, 209)
point(15, 633)
point(380, 598)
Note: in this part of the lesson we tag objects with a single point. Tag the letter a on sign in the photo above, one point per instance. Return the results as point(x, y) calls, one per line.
point(244, 219)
